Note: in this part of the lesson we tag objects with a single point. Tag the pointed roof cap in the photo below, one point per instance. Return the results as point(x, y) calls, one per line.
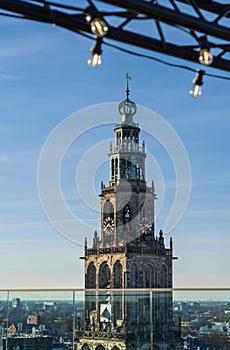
point(127, 108)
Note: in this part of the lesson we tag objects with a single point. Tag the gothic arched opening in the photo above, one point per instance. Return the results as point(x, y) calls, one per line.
point(112, 168)
point(85, 347)
point(117, 275)
point(104, 275)
point(91, 276)
point(115, 348)
point(108, 210)
point(100, 347)
point(163, 277)
point(149, 277)
point(134, 276)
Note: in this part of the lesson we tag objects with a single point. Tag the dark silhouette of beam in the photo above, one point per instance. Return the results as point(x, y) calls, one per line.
point(76, 22)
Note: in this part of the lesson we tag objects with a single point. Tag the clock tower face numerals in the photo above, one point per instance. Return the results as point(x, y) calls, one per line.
point(108, 225)
point(145, 225)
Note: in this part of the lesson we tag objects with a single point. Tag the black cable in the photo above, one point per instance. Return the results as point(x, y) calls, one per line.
point(217, 76)
point(150, 57)
point(174, 65)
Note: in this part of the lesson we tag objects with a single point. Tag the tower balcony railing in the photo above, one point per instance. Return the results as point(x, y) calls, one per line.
point(130, 146)
point(129, 249)
point(70, 318)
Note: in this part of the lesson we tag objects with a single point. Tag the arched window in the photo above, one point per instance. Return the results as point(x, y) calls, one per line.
point(115, 348)
point(108, 210)
point(112, 168)
point(100, 347)
point(85, 347)
point(104, 275)
point(122, 168)
point(134, 276)
point(116, 167)
point(149, 276)
point(117, 275)
point(163, 277)
point(91, 276)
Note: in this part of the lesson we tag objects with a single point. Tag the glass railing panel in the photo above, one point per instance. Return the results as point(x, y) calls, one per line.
point(115, 319)
point(37, 319)
point(204, 318)
point(3, 312)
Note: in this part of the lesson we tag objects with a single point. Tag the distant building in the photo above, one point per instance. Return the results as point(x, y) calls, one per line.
point(49, 305)
point(15, 302)
point(128, 255)
point(12, 329)
point(33, 319)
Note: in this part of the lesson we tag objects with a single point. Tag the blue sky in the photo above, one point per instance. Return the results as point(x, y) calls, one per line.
point(44, 78)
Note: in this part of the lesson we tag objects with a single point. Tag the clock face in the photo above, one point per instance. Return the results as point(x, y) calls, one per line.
point(108, 225)
point(145, 225)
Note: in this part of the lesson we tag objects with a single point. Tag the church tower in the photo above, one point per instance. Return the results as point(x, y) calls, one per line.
point(127, 255)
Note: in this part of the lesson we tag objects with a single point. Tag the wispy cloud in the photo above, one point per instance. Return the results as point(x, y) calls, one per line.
point(13, 77)
point(22, 224)
point(209, 213)
point(9, 242)
point(5, 159)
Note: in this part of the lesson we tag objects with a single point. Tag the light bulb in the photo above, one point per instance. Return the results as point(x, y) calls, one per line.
point(205, 57)
point(99, 27)
point(95, 61)
point(96, 51)
point(197, 83)
point(88, 18)
point(196, 92)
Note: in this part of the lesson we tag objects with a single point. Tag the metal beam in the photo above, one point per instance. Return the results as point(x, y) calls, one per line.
point(211, 6)
point(172, 17)
point(168, 49)
point(78, 24)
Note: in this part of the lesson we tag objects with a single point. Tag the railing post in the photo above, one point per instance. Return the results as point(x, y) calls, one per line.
point(151, 318)
point(74, 323)
point(7, 319)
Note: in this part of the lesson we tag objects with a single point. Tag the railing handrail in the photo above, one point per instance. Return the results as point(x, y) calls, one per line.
point(174, 289)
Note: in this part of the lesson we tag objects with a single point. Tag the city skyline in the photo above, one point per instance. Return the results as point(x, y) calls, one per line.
point(45, 78)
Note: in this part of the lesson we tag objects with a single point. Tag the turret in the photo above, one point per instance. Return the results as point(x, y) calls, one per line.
point(127, 158)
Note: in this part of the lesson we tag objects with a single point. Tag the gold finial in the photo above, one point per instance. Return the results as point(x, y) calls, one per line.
point(127, 77)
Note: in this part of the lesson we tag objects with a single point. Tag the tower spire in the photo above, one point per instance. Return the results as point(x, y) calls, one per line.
point(127, 91)
point(127, 108)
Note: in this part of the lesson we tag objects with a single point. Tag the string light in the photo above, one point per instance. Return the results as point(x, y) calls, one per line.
point(98, 25)
point(205, 56)
point(198, 82)
point(166, 63)
point(95, 60)
point(100, 28)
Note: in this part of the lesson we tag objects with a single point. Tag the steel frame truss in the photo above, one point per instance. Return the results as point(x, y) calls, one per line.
point(170, 27)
